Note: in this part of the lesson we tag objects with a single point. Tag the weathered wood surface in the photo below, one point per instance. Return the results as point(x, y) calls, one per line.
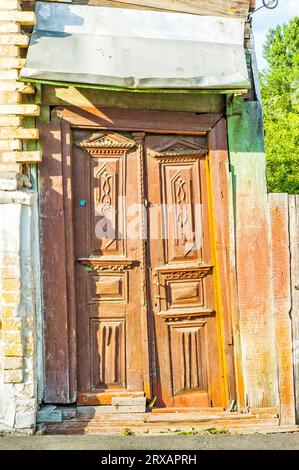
point(53, 253)
point(282, 302)
point(218, 161)
point(234, 8)
point(294, 245)
point(134, 120)
point(194, 102)
point(253, 255)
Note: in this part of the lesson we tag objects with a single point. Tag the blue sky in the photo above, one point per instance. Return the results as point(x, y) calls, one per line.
point(264, 19)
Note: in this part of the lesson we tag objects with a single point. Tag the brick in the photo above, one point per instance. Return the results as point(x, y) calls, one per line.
point(22, 109)
point(11, 270)
point(25, 156)
point(11, 62)
point(13, 376)
point(9, 298)
point(12, 144)
point(12, 324)
point(14, 85)
point(10, 363)
point(14, 337)
point(10, 5)
point(9, 27)
point(52, 416)
point(7, 312)
point(11, 74)
point(11, 167)
point(18, 133)
point(25, 420)
point(15, 350)
point(21, 40)
point(20, 17)
point(10, 121)
point(10, 181)
point(9, 97)
point(9, 51)
point(11, 285)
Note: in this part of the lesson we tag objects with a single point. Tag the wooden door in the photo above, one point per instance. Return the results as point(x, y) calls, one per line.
point(108, 275)
point(187, 367)
point(132, 303)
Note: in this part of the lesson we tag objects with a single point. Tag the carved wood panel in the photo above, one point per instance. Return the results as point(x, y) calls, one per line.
point(188, 357)
point(106, 183)
point(107, 267)
point(107, 353)
point(182, 273)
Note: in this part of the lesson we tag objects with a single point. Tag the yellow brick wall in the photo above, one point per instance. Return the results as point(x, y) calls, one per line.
point(12, 110)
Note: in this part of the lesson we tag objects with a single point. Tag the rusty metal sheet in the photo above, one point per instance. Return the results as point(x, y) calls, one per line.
point(135, 48)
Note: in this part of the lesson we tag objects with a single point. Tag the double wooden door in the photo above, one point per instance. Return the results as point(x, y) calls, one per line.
point(144, 291)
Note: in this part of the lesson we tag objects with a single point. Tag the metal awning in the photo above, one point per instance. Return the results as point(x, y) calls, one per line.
point(135, 49)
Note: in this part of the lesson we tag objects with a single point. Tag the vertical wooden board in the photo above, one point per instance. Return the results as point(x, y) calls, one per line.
point(280, 280)
point(219, 173)
point(247, 158)
point(53, 266)
point(294, 245)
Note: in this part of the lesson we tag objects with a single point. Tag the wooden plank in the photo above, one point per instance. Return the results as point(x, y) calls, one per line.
point(280, 251)
point(71, 96)
point(218, 160)
point(247, 158)
point(230, 8)
point(147, 121)
point(294, 247)
point(53, 250)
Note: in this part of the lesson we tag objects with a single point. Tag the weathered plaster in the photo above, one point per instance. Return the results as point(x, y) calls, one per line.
point(17, 306)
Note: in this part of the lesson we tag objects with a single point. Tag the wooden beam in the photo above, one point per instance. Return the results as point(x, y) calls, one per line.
point(71, 96)
point(280, 283)
point(229, 8)
point(294, 246)
point(257, 333)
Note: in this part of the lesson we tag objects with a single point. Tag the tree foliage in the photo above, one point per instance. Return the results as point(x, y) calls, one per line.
point(280, 94)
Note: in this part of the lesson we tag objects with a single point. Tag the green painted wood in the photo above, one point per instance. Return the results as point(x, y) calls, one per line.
point(253, 262)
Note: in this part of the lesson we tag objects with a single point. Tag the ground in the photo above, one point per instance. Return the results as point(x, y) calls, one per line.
point(283, 441)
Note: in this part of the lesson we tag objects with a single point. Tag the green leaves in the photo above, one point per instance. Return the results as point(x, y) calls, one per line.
point(280, 94)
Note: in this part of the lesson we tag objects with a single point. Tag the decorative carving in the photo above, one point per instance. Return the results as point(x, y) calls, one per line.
point(107, 287)
point(93, 264)
point(177, 315)
point(178, 148)
point(108, 344)
point(105, 143)
point(188, 355)
point(184, 272)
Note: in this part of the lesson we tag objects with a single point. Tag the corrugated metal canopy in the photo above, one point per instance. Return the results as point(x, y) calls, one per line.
point(135, 48)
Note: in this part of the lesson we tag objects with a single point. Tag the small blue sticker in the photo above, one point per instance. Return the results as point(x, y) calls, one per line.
point(82, 203)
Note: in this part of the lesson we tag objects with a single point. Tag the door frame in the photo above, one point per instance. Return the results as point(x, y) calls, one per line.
point(60, 317)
